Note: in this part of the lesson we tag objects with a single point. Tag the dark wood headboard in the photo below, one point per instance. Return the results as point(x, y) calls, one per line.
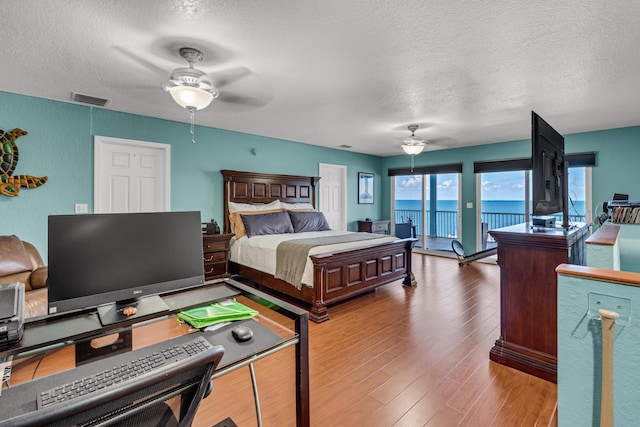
point(256, 188)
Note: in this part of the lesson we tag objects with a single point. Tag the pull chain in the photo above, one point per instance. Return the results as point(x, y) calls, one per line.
point(192, 110)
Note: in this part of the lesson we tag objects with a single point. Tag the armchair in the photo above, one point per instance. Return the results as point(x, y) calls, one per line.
point(21, 262)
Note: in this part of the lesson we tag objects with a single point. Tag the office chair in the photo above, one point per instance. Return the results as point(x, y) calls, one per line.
point(153, 401)
point(463, 259)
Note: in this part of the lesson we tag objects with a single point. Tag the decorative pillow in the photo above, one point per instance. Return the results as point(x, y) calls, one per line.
point(237, 226)
point(247, 207)
point(270, 223)
point(308, 221)
point(297, 206)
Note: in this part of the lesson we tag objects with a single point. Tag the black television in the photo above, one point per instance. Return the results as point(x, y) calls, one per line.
point(549, 170)
point(114, 261)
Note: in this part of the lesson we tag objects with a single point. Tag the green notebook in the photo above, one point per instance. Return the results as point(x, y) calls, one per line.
point(225, 311)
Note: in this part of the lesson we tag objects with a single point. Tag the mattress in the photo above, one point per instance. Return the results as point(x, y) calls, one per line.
point(259, 252)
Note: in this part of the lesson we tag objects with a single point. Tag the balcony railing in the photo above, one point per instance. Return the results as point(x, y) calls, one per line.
point(446, 224)
point(502, 219)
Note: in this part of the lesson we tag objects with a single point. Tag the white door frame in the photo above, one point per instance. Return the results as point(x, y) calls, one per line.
point(100, 142)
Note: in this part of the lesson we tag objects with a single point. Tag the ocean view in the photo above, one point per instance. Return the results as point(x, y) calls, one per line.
point(446, 225)
point(499, 206)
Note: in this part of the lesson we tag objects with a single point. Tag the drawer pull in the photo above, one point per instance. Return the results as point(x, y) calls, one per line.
point(209, 259)
point(209, 271)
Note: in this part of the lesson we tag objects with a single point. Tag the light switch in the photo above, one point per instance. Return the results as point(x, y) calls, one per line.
point(469, 205)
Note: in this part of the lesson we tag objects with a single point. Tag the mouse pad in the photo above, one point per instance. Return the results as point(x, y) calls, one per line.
point(263, 339)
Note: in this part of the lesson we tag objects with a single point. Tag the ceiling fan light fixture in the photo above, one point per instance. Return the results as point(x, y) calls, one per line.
point(413, 148)
point(190, 97)
point(190, 87)
point(414, 144)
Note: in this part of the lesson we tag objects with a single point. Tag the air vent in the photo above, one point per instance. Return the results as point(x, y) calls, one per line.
point(87, 99)
point(345, 146)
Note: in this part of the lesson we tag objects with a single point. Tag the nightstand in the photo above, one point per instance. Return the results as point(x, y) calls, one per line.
point(215, 250)
point(378, 226)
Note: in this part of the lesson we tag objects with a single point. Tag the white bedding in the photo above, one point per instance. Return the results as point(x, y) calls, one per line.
point(259, 252)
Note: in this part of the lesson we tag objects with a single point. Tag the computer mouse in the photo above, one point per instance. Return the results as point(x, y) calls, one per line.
point(242, 333)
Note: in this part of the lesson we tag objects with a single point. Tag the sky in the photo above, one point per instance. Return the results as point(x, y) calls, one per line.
point(495, 186)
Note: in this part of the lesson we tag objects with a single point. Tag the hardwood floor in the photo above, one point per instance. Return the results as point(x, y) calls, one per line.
point(399, 357)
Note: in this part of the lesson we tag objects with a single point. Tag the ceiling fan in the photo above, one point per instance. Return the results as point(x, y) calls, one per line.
point(238, 88)
point(235, 88)
point(189, 87)
point(413, 144)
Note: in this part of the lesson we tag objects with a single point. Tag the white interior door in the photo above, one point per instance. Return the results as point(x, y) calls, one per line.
point(333, 194)
point(131, 176)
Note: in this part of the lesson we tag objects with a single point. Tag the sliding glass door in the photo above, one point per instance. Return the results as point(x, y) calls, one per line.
point(505, 199)
point(503, 202)
point(430, 203)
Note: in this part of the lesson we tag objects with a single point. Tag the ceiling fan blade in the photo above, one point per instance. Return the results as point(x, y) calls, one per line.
point(249, 101)
point(444, 142)
point(142, 62)
point(415, 139)
point(229, 76)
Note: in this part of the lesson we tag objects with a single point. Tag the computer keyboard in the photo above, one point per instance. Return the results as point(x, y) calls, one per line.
point(131, 366)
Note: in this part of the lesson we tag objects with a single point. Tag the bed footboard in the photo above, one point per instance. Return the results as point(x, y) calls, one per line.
point(341, 275)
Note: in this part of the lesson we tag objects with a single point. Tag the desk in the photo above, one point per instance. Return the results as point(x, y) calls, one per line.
point(59, 336)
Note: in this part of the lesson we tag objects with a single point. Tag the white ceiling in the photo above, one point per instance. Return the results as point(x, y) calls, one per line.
point(333, 72)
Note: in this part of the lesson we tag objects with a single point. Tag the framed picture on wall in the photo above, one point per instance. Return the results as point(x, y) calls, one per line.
point(365, 187)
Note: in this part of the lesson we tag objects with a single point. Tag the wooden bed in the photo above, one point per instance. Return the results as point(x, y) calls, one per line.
point(337, 275)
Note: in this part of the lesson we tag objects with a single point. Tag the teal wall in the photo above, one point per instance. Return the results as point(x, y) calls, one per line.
point(616, 167)
point(629, 241)
point(60, 146)
point(580, 355)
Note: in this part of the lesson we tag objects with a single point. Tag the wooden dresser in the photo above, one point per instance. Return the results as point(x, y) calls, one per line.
point(378, 226)
point(215, 249)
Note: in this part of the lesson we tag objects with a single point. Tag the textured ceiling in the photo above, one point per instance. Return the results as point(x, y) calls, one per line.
point(336, 72)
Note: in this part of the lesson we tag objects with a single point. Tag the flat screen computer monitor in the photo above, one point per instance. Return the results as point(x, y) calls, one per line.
point(112, 261)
